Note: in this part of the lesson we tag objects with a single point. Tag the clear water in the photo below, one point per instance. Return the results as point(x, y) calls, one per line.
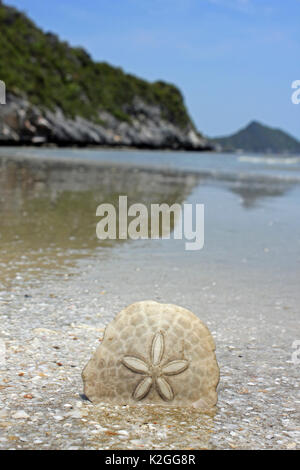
point(252, 213)
point(219, 165)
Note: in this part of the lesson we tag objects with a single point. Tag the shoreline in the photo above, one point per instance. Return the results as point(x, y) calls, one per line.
point(57, 145)
point(209, 175)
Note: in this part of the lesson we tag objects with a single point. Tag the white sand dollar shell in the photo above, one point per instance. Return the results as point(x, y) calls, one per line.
point(142, 388)
point(154, 353)
point(135, 364)
point(157, 349)
point(164, 389)
point(175, 367)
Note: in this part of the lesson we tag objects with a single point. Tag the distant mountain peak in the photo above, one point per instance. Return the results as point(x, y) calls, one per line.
point(257, 137)
point(254, 124)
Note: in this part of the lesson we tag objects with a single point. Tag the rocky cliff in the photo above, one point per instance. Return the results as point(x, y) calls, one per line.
point(57, 94)
point(24, 123)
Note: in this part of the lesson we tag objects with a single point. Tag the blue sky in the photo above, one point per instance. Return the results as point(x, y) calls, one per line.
point(234, 60)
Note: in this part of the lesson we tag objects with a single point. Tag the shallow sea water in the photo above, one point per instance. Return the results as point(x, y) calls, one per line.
point(60, 286)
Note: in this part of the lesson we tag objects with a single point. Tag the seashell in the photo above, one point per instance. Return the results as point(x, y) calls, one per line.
point(157, 348)
point(135, 364)
point(142, 388)
point(154, 353)
point(164, 389)
point(175, 367)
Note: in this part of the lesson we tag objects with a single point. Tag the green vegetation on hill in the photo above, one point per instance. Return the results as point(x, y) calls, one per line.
point(50, 73)
point(259, 138)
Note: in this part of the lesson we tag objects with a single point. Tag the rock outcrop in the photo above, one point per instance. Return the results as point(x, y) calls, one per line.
point(23, 123)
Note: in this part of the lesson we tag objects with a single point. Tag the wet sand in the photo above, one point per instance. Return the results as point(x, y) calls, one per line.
point(52, 320)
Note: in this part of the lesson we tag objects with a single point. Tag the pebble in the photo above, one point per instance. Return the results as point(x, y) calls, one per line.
point(20, 415)
point(3, 413)
point(75, 415)
point(58, 418)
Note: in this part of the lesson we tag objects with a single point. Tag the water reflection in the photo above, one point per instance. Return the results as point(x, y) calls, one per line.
point(253, 194)
point(47, 209)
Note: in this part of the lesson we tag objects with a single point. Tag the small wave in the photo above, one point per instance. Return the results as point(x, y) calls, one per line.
point(270, 160)
point(249, 177)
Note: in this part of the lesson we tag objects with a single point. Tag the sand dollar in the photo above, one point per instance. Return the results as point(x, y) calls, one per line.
point(154, 353)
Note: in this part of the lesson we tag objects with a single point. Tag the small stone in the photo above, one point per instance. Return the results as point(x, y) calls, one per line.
point(44, 331)
point(243, 391)
point(136, 442)
point(5, 424)
point(58, 418)
point(122, 432)
point(75, 414)
point(3, 413)
point(20, 415)
point(36, 379)
point(154, 353)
